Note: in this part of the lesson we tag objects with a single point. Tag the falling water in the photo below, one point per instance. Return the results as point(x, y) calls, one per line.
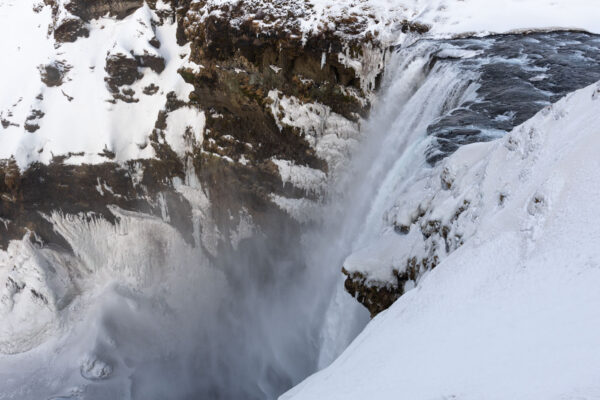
point(153, 318)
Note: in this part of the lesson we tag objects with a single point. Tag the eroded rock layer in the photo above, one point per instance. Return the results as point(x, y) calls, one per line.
point(270, 102)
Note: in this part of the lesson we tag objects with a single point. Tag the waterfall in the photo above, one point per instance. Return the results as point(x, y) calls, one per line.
point(150, 317)
point(416, 92)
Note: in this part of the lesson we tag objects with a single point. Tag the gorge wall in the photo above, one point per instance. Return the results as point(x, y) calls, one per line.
point(273, 111)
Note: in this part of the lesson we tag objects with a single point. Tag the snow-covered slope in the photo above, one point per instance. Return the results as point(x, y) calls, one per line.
point(448, 17)
point(513, 313)
point(76, 111)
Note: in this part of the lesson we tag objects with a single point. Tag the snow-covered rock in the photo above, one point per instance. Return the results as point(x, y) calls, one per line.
point(513, 312)
point(97, 103)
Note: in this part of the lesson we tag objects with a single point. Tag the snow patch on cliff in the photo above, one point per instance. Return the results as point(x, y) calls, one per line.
point(308, 179)
point(185, 129)
point(333, 137)
point(330, 134)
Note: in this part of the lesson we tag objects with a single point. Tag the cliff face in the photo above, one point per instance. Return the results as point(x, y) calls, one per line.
point(274, 97)
point(269, 99)
point(428, 216)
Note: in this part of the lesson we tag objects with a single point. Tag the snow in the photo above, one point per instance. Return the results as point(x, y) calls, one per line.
point(185, 129)
point(118, 295)
point(445, 17)
point(302, 177)
point(78, 117)
point(513, 313)
point(88, 123)
point(449, 17)
point(330, 134)
point(302, 210)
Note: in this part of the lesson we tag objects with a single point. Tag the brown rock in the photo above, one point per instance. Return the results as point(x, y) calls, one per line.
point(90, 9)
point(70, 30)
point(122, 70)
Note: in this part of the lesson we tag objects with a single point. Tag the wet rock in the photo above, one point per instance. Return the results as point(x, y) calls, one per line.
point(154, 42)
point(29, 127)
point(31, 123)
point(378, 296)
point(107, 153)
point(35, 114)
point(413, 27)
point(69, 98)
point(126, 95)
point(374, 297)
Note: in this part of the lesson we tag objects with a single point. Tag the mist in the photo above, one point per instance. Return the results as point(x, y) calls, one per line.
point(136, 312)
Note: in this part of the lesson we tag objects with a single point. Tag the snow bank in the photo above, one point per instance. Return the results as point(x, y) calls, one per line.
point(384, 18)
point(450, 17)
point(514, 312)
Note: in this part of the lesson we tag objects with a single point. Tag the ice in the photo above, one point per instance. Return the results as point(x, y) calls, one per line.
point(512, 313)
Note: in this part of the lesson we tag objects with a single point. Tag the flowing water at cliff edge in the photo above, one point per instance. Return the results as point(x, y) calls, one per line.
point(153, 318)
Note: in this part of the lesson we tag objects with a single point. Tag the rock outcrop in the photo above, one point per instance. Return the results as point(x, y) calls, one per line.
point(266, 93)
point(90, 9)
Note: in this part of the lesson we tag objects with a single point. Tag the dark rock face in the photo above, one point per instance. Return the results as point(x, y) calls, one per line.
point(70, 30)
point(121, 70)
point(90, 9)
point(155, 63)
point(53, 74)
point(374, 298)
point(29, 195)
point(151, 89)
point(32, 119)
